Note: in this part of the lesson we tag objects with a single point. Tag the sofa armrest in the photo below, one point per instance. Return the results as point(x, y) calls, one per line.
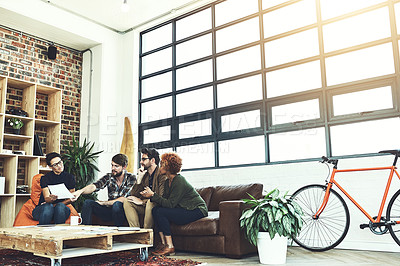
point(236, 244)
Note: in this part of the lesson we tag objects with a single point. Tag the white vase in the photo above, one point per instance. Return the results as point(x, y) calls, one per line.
point(271, 251)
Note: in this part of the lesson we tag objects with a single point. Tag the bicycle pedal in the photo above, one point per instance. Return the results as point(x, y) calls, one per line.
point(363, 226)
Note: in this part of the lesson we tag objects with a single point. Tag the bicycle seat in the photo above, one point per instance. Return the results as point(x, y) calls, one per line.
point(394, 152)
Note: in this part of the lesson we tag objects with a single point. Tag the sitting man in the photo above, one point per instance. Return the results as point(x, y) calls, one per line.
point(148, 176)
point(50, 208)
point(119, 183)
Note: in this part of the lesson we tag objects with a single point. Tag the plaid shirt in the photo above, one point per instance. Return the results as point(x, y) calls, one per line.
point(111, 183)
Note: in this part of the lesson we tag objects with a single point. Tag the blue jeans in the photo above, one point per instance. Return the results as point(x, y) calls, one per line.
point(48, 212)
point(164, 216)
point(113, 213)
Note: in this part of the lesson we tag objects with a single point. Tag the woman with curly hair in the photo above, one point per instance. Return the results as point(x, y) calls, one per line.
point(180, 203)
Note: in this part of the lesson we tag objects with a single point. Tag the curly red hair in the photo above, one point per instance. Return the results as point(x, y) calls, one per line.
point(172, 161)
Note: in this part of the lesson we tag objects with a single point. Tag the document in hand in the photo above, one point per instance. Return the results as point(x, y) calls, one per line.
point(61, 191)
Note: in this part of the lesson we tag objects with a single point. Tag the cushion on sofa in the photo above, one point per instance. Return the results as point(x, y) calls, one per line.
point(206, 226)
point(206, 193)
point(234, 192)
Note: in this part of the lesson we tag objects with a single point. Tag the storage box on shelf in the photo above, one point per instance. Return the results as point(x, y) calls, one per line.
point(43, 107)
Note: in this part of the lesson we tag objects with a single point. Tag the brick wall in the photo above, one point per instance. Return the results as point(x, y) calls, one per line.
point(25, 58)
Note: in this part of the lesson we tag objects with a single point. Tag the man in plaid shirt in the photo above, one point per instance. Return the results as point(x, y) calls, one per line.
point(119, 183)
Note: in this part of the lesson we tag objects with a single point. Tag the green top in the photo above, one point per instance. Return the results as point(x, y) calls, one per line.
point(180, 194)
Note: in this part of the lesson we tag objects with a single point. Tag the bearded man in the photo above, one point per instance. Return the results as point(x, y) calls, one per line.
point(119, 184)
point(136, 206)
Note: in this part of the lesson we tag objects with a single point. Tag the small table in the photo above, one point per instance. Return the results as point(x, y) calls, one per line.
point(65, 241)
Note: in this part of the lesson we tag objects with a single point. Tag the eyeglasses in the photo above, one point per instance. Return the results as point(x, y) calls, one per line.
point(59, 163)
point(144, 159)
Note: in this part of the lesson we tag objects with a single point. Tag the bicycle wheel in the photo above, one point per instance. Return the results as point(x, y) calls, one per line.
point(393, 214)
point(330, 228)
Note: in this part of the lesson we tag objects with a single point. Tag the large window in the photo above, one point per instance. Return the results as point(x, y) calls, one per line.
point(266, 81)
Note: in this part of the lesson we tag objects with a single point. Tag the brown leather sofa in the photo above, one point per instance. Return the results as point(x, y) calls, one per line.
point(219, 233)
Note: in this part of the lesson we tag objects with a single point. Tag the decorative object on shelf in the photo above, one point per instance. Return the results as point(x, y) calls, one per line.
point(37, 146)
point(16, 124)
point(22, 189)
point(19, 112)
point(80, 161)
point(19, 152)
point(269, 222)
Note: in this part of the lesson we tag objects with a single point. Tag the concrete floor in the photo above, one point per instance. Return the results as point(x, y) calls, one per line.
point(301, 257)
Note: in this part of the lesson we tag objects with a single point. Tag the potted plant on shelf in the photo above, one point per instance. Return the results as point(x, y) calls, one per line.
point(269, 222)
point(80, 161)
point(16, 124)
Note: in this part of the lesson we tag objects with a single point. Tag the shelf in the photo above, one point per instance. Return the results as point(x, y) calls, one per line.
point(46, 123)
point(43, 105)
point(17, 137)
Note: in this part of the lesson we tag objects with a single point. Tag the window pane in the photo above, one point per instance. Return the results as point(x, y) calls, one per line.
point(248, 31)
point(190, 25)
point(157, 85)
point(239, 121)
point(157, 134)
point(197, 156)
point(334, 8)
point(151, 111)
point(165, 150)
point(302, 77)
point(202, 46)
point(292, 48)
point(194, 101)
point(193, 75)
point(240, 62)
point(303, 13)
point(157, 38)
point(370, 26)
point(366, 63)
point(239, 91)
point(232, 152)
point(308, 143)
point(295, 112)
point(234, 9)
point(195, 128)
point(365, 137)
point(270, 3)
point(371, 100)
point(157, 61)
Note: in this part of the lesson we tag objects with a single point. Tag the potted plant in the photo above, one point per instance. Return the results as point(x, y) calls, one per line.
point(80, 161)
point(269, 222)
point(16, 124)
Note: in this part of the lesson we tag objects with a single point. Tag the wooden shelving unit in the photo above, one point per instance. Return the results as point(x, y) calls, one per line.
point(43, 105)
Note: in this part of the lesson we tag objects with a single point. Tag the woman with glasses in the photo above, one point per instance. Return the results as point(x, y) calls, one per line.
point(50, 208)
point(180, 203)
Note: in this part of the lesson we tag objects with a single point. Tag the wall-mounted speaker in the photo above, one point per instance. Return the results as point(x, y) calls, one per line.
point(52, 52)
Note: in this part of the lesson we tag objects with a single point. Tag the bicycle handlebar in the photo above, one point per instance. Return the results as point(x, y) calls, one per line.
point(331, 161)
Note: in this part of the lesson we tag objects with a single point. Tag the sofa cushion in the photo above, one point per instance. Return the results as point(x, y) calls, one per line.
point(206, 226)
point(234, 192)
point(206, 193)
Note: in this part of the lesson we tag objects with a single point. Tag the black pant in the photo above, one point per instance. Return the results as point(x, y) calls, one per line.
point(164, 216)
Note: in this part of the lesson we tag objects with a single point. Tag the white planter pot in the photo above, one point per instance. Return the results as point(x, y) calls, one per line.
point(271, 251)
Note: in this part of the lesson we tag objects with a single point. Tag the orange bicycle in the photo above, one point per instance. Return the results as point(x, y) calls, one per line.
point(326, 215)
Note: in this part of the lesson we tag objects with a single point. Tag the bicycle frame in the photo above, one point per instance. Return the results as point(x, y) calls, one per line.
point(333, 181)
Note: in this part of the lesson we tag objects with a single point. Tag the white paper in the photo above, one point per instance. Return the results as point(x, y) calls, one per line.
point(61, 191)
point(126, 228)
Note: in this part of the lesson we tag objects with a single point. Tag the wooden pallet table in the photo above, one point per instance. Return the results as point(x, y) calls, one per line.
point(64, 241)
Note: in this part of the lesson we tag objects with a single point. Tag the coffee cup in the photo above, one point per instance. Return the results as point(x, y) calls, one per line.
point(76, 220)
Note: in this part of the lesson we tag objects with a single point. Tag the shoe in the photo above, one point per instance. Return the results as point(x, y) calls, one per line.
point(160, 246)
point(166, 251)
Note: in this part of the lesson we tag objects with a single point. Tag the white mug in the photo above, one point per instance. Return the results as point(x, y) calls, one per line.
point(75, 220)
